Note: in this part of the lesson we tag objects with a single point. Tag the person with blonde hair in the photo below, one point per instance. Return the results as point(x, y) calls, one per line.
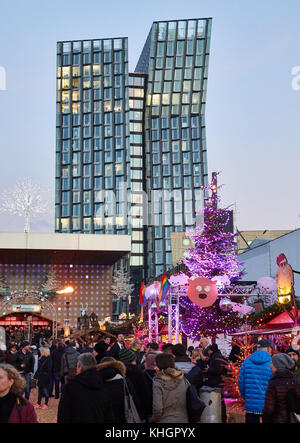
point(43, 376)
point(14, 408)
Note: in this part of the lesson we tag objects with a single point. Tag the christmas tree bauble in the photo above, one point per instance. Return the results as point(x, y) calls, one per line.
point(225, 304)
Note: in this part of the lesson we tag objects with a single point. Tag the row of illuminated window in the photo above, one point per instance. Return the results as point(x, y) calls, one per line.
point(66, 224)
point(168, 64)
point(97, 169)
point(99, 195)
point(176, 158)
point(136, 93)
point(89, 45)
point(183, 29)
point(87, 144)
point(136, 81)
point(95, 131)
point(69, 72)
point(174, 147)
point(87, 157)
point(174, 98)
point(108, 68)
point(168, 207)
point(176, 182)
point(98, 186)
point(187, 62)
point(177, 74)
point(171, 49)
point(178, 86)
point(75, 107)
point(86, 182)
point(174, 134)
point(88, 119)
point(98, 82)
point(176, 122)
point(67, 95)
point(108, 94)
point(177, 170)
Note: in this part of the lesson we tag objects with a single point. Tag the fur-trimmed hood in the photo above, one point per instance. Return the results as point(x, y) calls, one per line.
point(109, 369)
point(169, 378)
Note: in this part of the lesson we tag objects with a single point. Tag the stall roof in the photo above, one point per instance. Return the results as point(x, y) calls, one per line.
point(48, 248)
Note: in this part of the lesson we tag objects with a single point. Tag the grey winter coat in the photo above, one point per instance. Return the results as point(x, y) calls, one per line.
point(169, 397)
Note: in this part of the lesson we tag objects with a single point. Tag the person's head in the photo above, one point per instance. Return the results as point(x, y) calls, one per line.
point(196, 355)
point(13, 348)
point(45, 352)
point(106, 340)
point(179, 350)
point(10, 380)
point(211, 349)
point(72, 343)
point(281, 361)
point(152, 347)
point(264, 345)
point(204, 342)
point(25, 346)
point(150, 361)
point(167, 348)
point(137, 344)
point(85, 361)
point(120, 338)
point(127, 356)
point(293, 353)
point(164, 361)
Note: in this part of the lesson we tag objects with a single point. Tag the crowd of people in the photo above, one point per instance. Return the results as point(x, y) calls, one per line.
point(109, 382)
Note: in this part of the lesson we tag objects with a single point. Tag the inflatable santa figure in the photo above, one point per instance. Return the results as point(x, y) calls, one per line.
point(284, 280)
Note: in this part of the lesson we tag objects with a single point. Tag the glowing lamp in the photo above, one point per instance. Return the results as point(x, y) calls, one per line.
point(284, 299)
point(67, 290)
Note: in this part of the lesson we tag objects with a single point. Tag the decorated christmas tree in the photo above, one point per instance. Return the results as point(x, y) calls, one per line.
point(213, 253)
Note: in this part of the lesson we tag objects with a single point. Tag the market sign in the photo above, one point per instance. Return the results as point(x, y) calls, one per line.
point(26, 308)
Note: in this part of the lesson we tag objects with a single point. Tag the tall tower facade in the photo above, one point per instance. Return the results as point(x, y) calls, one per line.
point(131, 147)
point(175, 59)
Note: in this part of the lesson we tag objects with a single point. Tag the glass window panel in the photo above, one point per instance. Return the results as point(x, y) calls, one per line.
point(172, 31)
point(162, 29)
point(181, 30)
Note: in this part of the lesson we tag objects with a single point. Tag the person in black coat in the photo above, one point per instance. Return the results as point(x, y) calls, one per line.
point(43, 377)
point(101, 348)
point(113, 373)
point(137, 378)
point(216, 369)
point(195, 375)
point(235, 352)
point(115, 349)
point(56, 357)
point(83, 399)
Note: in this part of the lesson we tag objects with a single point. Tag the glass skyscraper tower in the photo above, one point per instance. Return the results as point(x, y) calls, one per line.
point(131, 148)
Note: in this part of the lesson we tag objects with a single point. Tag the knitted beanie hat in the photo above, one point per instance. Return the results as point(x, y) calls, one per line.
point(291, 349)
point(126, 355)
point(283, 361)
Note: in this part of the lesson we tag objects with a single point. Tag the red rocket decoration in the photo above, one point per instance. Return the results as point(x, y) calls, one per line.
point(284, 280)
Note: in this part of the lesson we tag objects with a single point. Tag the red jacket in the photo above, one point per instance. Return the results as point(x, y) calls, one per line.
point(23, 412)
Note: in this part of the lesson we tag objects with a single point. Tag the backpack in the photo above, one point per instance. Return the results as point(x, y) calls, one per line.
point(293, 406)
point(71, 372)
point(194, 405)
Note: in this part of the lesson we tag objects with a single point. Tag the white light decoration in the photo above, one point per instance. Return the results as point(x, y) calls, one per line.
point(26, 199)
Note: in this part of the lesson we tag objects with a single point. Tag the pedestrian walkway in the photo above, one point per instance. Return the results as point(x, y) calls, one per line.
point(45, 415)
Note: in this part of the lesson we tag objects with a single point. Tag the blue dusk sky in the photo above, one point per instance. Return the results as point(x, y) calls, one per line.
point(252, 113)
